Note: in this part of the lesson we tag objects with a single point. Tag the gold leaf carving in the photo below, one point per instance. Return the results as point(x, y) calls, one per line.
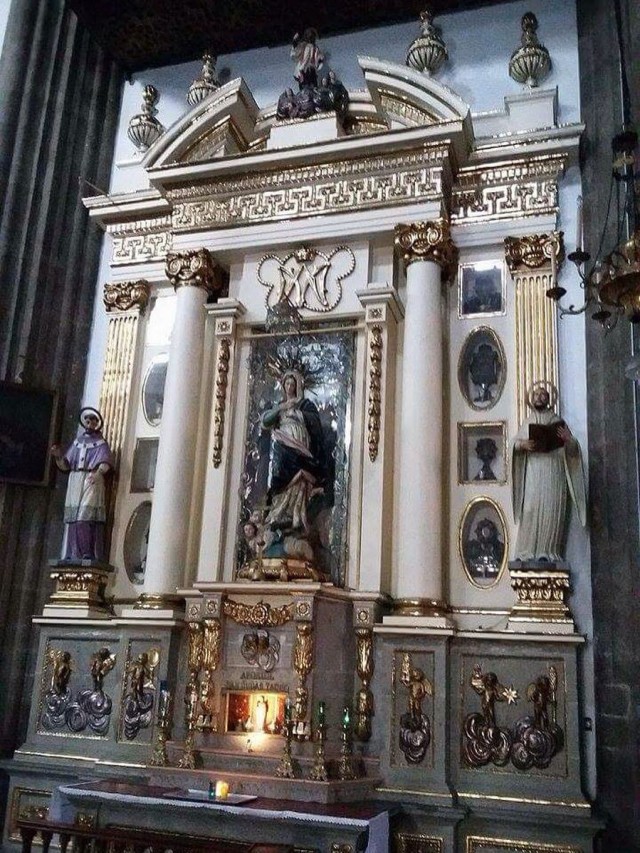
point(222, 372)
point(428, 241)
point(374, 408)
point(258, 615)
point(125, 295)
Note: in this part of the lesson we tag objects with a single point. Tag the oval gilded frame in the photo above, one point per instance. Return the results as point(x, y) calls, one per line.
point(493, 336)
point(157, 360)
point(470, 508)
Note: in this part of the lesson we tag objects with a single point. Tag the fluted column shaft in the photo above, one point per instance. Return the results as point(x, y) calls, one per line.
point(427, 250)
point(193, 276)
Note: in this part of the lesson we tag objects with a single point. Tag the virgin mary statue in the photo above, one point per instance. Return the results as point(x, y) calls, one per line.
point(297, 469)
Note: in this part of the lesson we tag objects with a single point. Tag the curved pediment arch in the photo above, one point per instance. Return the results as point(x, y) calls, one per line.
point(408, 97)
point(222, 124)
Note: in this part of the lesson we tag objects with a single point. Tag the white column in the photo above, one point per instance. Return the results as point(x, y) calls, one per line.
point(418, 589)
point(193, 274)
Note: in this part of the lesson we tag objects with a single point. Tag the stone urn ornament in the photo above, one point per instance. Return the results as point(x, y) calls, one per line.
point(144, 128)
point(428, 52)
point(530, 63)
point(206, 83)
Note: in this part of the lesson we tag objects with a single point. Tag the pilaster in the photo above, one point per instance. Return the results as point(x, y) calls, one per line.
point(534, 261)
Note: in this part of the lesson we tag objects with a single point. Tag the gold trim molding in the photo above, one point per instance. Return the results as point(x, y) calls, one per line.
point(412, 842)
point(295, 192)
point(126, 295)
point(141, 240)
point(542, 595)
point(479, 843)
point(260, 615)
point(420, 607)
point(194, 268)
point(508, 190)
point(428, 241)
point(222, 378)
point(374, 408)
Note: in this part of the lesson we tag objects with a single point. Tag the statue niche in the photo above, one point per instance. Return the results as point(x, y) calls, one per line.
point(294, 484)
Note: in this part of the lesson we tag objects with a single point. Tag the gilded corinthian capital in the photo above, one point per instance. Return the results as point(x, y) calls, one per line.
point(195, 268)
point(533, 251)
point(126, 295)
point(428, 241)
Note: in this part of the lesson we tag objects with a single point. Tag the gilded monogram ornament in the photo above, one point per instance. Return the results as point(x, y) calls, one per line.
point(306, 278)
point(126, 295)
point(428, 241)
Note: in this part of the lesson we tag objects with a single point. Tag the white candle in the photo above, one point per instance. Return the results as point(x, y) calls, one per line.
point(579, 224)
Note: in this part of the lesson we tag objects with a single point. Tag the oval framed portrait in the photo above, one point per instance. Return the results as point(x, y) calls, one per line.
point(136, 542)
point(482, 369)
point(153, 389)
point(483, 542)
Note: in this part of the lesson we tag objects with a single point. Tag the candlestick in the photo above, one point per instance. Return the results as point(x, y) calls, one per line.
point(346, 769)
point(287, 709)
point(222, 790)
point(579, 224)
point(285, 768)
point(160, 758)
point(320, 714)
point(319, 772)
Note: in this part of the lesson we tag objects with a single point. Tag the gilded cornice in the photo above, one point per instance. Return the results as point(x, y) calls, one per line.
point(428, 241)
point(533, 251)
point(126, 295)
point(141, 240)
point(195, 268)
point(508, 190)
point(302, 190)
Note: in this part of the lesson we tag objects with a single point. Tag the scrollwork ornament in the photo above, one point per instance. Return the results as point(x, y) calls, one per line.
point(533, 251)
point(374, 408)
point(258, 615)
point(222, 377)
point(364, 696)
point(428, 241)
point(260, 649)
point(195, 268)
point(302, 663)
point(126, 295)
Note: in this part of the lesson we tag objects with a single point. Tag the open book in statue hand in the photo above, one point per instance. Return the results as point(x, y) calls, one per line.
point(546, 436)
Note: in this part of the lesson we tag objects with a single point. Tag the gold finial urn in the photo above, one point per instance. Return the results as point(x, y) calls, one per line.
point(206, 83)
point(144, 128)
point(428, 52)
point(530, 63)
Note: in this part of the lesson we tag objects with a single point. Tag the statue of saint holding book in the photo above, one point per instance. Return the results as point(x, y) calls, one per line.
point(547, 472)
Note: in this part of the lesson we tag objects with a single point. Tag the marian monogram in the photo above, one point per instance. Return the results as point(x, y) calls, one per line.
point(306, 277)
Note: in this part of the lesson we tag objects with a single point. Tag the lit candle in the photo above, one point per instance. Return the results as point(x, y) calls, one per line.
point(321, 713)
point(287, 709)
point(165, 696)
point(346, 716)
point(579, 224)
point(222, 790)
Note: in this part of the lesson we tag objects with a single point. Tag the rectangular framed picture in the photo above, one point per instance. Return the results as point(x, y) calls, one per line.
point(482, 453)
point(481, 289)
point(27, 430)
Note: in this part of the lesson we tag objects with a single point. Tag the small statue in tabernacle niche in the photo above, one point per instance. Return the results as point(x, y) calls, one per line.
point(58, 696)
point(484, 553)
point(138, 703)
point(313, 96)
point(260, 649)
point(484, 369)
point(89, 461)
point(486, 451)
point(538, 738)
point(415, 728)
point(483, 740)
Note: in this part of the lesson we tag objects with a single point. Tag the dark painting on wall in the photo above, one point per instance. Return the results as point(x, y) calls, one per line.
point(27, 424)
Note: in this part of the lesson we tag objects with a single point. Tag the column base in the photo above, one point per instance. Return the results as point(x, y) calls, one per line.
point(418, 613)
point(156, 606)
point(79, 589)
point(542, 590)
